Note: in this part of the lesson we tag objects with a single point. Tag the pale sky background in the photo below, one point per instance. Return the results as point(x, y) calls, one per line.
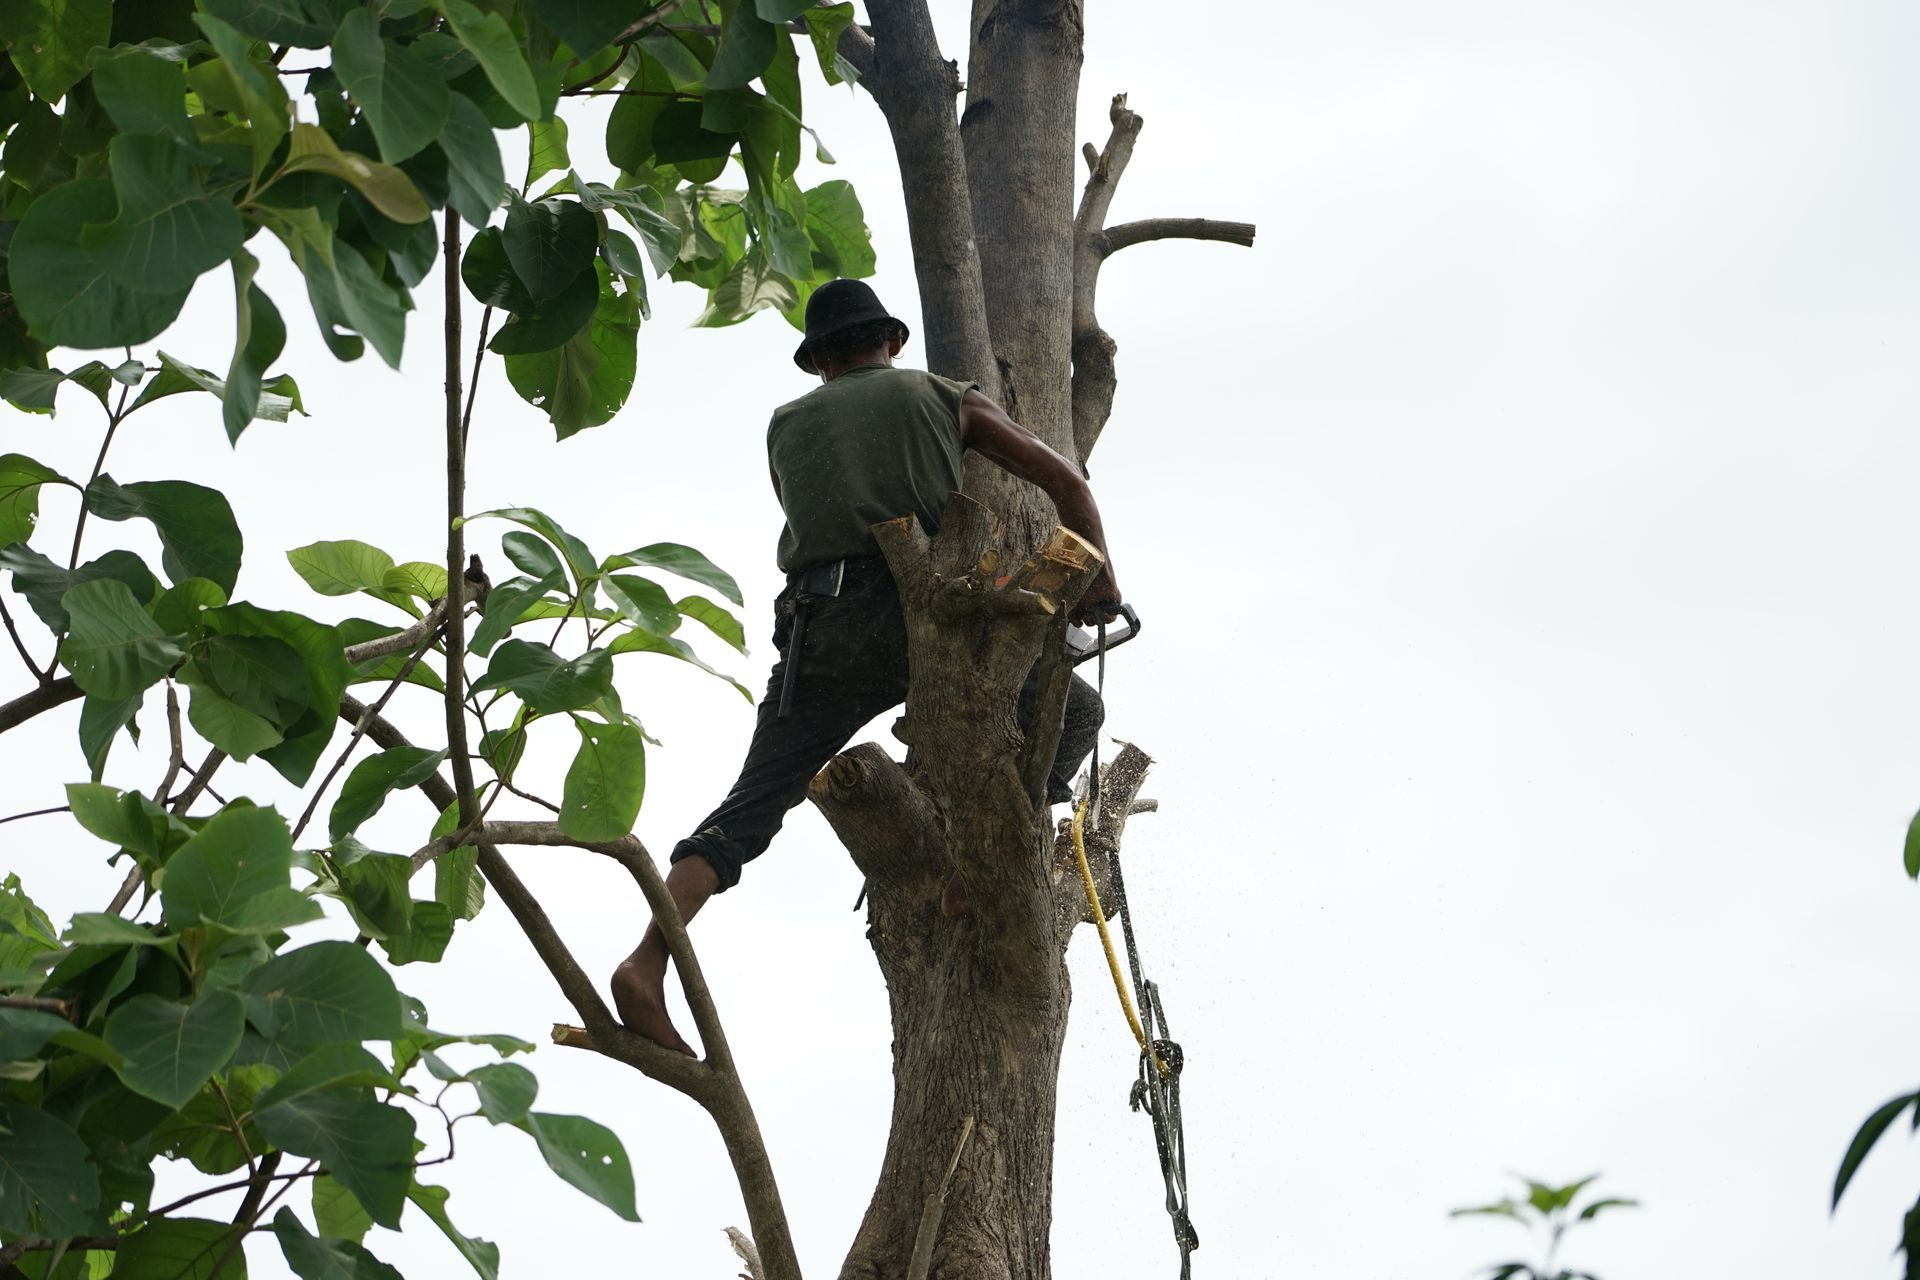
point(1526, 537)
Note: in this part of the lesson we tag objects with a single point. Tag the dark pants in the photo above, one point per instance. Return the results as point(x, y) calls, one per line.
point(852, 667)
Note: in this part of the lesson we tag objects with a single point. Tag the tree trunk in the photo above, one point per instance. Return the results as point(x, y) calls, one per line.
point(1007, 270)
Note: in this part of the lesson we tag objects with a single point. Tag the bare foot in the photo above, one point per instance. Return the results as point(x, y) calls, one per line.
point(639, 997)
point(953, 899)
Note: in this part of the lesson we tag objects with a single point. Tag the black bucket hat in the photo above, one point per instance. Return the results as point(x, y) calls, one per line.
point(838, 305)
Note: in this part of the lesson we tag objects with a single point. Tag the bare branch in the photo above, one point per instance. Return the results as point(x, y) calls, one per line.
point(400, 641)
point(201, 777)
point(1116, 238)
point(176, 748)
point(39, 1004)
point(19, 645)
point(52, 694)
point(889, 826)
point(921, 1263)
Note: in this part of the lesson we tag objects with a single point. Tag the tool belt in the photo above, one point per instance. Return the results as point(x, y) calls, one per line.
point(804, 587)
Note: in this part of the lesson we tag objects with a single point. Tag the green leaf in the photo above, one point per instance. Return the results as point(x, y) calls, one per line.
point(113, 648)
point(682, 561)
point(178, 1249)
point(333, 1066)
point(715, 619)
point(781, 10)
point(837, 226)
point(456, 885)
point(748, 286)
point(1913, 848)
point(320, 993)
point(584, 382)
point(488, 275)
point(346, 293)
point(1876, 1124)
point(544, 680)
point(100, 720)
point(25, 1032)
point(477, 181)
point(376, 778)
point(429, 930)
point(336, 1212)
point(89, 928)
point(177, 376)
point(386, 188)
point(261, 99)
point(405, 100)
point(235, 873)
point(169, 230)
point(319, 1258)
point(1594, 1210)
point(587, 26)
point(142, 89)
point(482, 1256)
point(45, 583)
point(199, 537)
point(45, 1171)
point(587, 1155)
point(546, 150)
point(643, 602)
point(20, 481)
point(824, 25)
point(641, 642)
point(259, 337)
point(745, 50)
point(520, 550)
point(488, 38)
point(240, 733)
point(67, 291)
point(376, 891)
point(551, 323)
point(506, 603)
point(549, 244)
point(51, 40)
point(418, 578)
point(126, 820)
point(532, 556)
point(342, 567)
point(506, 1090)
point(171, 1048)
point(276, 21)
point(257, 673)
point(601, 796)
point(321, 653)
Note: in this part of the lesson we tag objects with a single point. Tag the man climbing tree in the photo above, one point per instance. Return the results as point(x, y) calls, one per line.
point(873, 442)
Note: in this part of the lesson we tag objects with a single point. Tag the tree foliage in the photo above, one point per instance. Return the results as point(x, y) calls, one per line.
point(213, 1014)
point(1549, 1211)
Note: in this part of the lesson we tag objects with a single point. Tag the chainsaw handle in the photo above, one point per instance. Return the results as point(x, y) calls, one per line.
point(1081, 646)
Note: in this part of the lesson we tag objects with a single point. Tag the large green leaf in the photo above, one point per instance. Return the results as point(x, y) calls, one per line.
point(376, 778)
point(683, 561)
point(549, 244)
point(179, 1249)
point(405, 100)
point(605, 784)
point(367, 1145)
point(235, 873)
point(333, 1066)
point(837, 226)
point(506, 1090)
point(546, 150)
point(637, 641)
point(322, 993)
point(507, 602)
point(336, 1212)
point(126, 820)
point(259, 337)
point(349, 297)
point(745, 49)
point(45, 583)
point(50, 41)
point(262, 100)
point(276, 401)
point(241, 733)
point(171, 1048)
point(199, 537)
point(456, 885)
point(544, 680)
point(386, 188)
point(375, 887)
point(429, 930)
point(585, 381)
point(488, 38)
point(824, 25)
point(113, 648)
point(324, 1258)
point(643, 602)
point(476, 180)
point(579, 559)
point(549, 324)
point(257, 673)
point(341, 568)
point(101, 719)
point(45, 1171)
point(170, 230)
point(587, 1155)
point(713, 618)
point(320, 651)
point(481, 1255)
point(20, 481)
point(750, 285)
point(141, 88)
point(67, 291)
point(587, 26)
point(1870, 1131)
point(277, 21)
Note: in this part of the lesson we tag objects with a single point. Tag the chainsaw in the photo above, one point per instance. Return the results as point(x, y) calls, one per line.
point(1083, 644)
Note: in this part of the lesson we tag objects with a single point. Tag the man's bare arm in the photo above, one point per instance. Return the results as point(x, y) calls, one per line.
point(986, 427)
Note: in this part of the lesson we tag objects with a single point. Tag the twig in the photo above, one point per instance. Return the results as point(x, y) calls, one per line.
point(456, 628)
point(40, 1004)
point(198, 783)
point(243, 1227)
point(473, 383)
point(922, 1260)
point(399, 641)
point(257, 1186)
point(177, 751)
point(19, 645)
point(206, 1192)
point(50, 694)
point(34, 813)
point(1116, 238)
point(36, 1244)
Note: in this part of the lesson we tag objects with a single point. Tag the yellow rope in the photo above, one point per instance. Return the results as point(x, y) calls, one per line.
point(1106, 939)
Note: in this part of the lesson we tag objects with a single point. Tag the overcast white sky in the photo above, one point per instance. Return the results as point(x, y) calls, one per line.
point(1526, 538)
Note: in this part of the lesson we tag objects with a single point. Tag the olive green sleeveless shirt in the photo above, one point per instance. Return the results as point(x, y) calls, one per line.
point(873, 444)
